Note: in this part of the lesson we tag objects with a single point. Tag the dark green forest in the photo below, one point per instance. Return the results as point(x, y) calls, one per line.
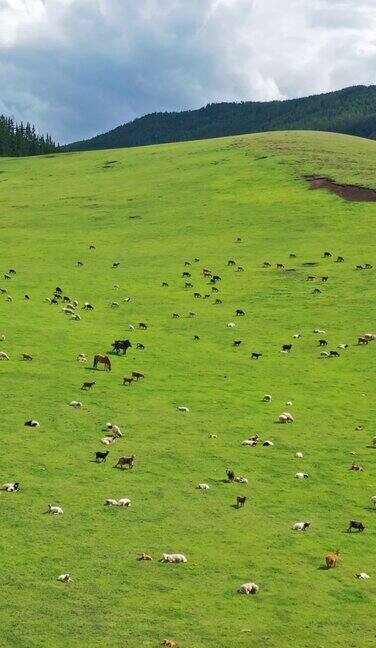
point(18, 139)
point(351, 111)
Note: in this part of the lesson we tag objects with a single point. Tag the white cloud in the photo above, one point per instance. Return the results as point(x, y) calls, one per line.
point(78, 67)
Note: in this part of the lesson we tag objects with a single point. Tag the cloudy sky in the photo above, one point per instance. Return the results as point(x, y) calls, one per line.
point(80, 67)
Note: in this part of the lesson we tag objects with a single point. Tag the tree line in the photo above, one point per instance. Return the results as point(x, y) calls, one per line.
point(351, 111)
point(21, 139)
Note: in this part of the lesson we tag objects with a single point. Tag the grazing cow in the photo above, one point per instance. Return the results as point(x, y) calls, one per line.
point(197, 295)
point(331, 560)
point(26, 356)
point(214, 289)
point(327, 254)
point(101, 456)
point(323, 343)
point(248, 588)
point(116, 264)
point(88, 385)
point(239, 312)
point(125, 462)
point(137, 376)
point(142, 326)
point(102, 359)
point(164, 284)
point(340, 259)
point(240, 501)
point(186, 274)
point(311, 278)
point(231, 262)
point(334, 354)
point(175, 315)
point(355, 524)
point(127, 381)
point(286, 347)
point(91, 247)
point(256, 356)
point(187, 263)
point(7, 276)
point(237, 343)
point(216, 278)
point(188, 284)
point(280, 266)
point(121, 345)
point(144, 556)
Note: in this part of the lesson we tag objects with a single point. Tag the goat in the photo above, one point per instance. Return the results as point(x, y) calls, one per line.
point(331, 560)
point(241, 500)
point(101, 456)
point(125, 461)
point(88, 385)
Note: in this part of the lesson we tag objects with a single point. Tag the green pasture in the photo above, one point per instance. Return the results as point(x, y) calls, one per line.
point(151, 209)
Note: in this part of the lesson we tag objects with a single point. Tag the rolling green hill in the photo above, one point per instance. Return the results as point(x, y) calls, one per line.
point(351, 110)
point(151, 209)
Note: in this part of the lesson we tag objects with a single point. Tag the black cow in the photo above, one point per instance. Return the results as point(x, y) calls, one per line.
point(354, 524)
point(121, 345)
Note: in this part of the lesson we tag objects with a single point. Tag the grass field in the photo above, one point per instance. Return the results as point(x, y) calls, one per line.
point(151, 210)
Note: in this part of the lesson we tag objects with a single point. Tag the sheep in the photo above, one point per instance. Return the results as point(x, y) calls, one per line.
point(296, 336)
point(108, 440)
point(111, 502)
point(231, 325)
point(369, 336)
point(11, 487)
point(213, 436)
point(169, 643)
point(32, 423)
point(182, 408)
point(173, 558)
point(202, 486)
point(76, 317)
point(286, 417)
point(362, 575)
point(241, 480)
point(249, 442)
point(115, 429)
point(64, 578)
point(3, 355)
point(131, 327)
point(300, 526)
point(81, 357)
point(267, 398)
point(301, 475)
point(76, 404)
point(114, 304)
point(289, 403)
point(319, 331)
point(268, 443)
point(325, 354)
point(373, 500)
point(248, 588)
point(55, 510)
point(144, 556)
point(299, 455)
point(124, 502)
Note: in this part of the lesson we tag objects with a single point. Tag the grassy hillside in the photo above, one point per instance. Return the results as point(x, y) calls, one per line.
point(350, 110)
point(151, 209)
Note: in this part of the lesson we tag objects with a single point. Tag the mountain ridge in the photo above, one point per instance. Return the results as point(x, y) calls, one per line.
point(351, 111)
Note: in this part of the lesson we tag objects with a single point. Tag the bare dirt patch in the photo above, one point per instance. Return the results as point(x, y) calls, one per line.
point(347, 192)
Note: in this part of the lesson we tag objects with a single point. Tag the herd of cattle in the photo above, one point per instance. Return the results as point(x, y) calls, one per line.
point(120, 347)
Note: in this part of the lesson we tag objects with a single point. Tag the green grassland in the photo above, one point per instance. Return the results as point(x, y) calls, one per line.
point(151, 210)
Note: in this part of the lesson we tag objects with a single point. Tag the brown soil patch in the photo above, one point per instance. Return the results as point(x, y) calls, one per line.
point(347, 192)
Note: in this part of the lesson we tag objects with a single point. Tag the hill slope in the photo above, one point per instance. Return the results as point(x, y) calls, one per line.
point(151, 210)
point(351, 111)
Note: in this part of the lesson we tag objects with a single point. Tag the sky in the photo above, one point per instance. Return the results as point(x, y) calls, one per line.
point(76, 68)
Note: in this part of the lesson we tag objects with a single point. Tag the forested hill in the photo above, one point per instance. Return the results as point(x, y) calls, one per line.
point(21, 139)
point(351, 110)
